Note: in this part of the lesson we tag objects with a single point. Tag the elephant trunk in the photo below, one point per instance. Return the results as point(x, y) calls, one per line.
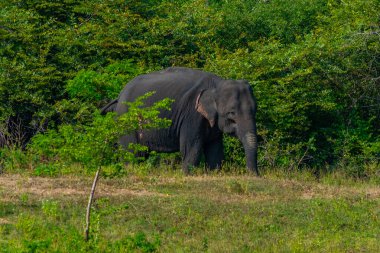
point(249, 140)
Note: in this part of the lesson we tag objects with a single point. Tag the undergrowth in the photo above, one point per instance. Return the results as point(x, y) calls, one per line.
point(164, 211)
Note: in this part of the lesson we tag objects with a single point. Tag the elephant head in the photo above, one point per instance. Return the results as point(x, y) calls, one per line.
point(231, 107)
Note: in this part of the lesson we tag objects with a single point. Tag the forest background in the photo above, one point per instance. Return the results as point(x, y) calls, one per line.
point(314, 66)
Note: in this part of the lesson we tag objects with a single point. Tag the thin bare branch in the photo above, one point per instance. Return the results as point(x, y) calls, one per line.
point(88, 213)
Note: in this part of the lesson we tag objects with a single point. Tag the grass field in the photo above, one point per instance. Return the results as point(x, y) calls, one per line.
point(168, 212)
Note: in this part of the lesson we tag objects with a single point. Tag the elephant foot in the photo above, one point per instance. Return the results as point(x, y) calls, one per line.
point(253, 172)
point(186, 170)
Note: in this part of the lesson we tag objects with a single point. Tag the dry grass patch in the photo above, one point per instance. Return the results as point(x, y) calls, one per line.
point(217, 188)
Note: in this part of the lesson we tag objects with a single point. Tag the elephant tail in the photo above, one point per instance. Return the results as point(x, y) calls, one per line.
point(110, 107)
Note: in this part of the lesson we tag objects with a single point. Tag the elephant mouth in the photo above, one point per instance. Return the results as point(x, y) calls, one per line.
point(229, 127)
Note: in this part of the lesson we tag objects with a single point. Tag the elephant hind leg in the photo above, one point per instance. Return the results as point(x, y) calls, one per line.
point(132, 138)
point(214, 154)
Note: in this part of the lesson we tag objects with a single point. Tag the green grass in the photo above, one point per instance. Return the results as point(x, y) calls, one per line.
point(168, 212)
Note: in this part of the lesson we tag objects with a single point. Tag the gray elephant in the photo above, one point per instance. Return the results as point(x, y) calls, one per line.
point(205, 106)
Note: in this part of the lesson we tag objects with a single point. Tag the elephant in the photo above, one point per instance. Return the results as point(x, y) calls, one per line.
point(205, 106)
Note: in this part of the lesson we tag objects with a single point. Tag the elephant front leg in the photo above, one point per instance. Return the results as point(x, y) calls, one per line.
point(214, 154)
point(191, 154)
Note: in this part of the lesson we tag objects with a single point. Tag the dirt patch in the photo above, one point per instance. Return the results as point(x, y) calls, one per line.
point(4, 221)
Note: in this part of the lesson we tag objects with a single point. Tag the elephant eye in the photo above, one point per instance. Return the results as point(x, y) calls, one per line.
point(231, 115)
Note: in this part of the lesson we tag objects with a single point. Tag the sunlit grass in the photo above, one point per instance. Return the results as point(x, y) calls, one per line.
point(165, 211)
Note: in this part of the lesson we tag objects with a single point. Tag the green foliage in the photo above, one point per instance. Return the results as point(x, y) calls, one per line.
point(233, 151)
point(138, 242)
point(316, 96)
point(89, 85)
point(89, 89)
point(313, 64)
point(50, 208)
point(245, 21)
point(93, 145)
point(13, 159)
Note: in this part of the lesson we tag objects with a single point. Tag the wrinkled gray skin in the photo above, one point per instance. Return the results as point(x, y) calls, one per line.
point(205, 106)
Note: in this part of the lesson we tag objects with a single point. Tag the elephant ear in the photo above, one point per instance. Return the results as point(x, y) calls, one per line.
point(205, 104)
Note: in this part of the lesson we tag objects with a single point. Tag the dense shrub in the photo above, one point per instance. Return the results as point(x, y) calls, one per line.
point(314, 66)
point(318, 101)
point(90, 145)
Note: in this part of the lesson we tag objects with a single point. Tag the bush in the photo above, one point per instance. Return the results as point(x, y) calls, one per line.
point(14, 160)
point(313, 66)
point(93, 145)
point(316, 96)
